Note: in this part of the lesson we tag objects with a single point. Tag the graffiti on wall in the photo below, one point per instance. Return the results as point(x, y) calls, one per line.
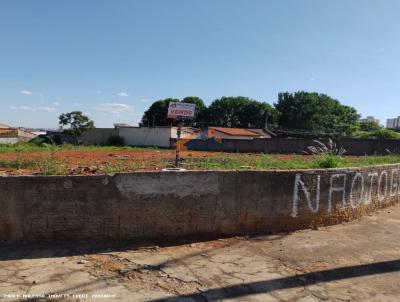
point(346, 189)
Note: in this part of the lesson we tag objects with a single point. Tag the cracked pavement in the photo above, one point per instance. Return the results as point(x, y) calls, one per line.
point(357, 261)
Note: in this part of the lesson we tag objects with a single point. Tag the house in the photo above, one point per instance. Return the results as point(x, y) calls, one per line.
point(10, 135)
point(4, 126)
point(35, 131)
point(238, 133)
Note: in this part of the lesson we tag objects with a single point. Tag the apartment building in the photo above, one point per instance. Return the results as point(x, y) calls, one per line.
point(393, 123)
point(370, 119)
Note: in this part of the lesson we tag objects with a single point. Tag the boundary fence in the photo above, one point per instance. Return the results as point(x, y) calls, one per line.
point(293, 146)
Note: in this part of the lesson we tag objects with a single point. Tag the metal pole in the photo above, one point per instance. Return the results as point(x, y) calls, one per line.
point(177, 155)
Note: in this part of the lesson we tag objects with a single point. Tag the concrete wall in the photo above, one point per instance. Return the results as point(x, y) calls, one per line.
point(8, 140)
point(12, 136)
point(291, 146)
point(97, 136)
point(135, 136)
point(152, 136)
point(25, 136)
point(168, 205)
point(144, 136)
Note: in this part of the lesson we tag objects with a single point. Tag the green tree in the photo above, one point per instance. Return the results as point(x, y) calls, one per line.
point(75, 122)
point(200, 110)
point(156, 115)
point(313, 112)
point(240, 112)
point(369, 126)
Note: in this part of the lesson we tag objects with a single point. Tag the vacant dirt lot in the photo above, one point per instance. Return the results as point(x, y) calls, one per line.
point(94, 161)
point(357, 261)
point(85, 160)
point(97, 161)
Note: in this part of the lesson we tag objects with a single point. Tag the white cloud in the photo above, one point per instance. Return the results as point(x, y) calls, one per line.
point(122, 93)
point(114, 108)
point(27, 92)
point(30, 93)
point(56, 103)
point(33, 109)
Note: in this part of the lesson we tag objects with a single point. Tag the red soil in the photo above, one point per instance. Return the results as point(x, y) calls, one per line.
point(94, 161)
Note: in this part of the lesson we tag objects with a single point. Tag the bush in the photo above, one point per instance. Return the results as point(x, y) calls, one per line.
point(369, 126)
point(51, 166)
point(326, 155)
point(382, 134)
point(17, 163)
point(326, 161)
point(328, 148)
point(41, 140)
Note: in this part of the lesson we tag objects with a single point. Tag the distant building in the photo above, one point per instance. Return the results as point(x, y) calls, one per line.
point(14, 135)
point(35, 131)
point(4, 126)
point(393, 123)
point(11, 135)
point(371, 119)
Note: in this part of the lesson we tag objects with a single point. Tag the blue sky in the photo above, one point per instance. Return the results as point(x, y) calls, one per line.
point(111, 59)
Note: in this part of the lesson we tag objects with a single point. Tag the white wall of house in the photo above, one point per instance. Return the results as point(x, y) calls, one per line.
point(8, 140)
point(145, 136)
point(185, 133)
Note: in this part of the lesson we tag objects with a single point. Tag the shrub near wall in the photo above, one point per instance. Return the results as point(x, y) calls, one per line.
point(171, 205)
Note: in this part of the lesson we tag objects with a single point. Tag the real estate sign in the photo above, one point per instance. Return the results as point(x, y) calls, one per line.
point(176, 110)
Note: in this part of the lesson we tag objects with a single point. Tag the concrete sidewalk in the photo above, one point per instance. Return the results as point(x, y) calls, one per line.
point(358, 261)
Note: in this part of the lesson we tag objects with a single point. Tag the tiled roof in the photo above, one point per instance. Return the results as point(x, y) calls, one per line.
point(263, 131)
point(8, 133)
point(239, 131)
point(2, 126)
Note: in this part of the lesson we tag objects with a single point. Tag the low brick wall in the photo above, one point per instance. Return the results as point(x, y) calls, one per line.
point(170, 205)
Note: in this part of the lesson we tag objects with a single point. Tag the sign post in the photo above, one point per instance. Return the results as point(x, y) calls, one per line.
point(180, 111)
point(178, 145)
